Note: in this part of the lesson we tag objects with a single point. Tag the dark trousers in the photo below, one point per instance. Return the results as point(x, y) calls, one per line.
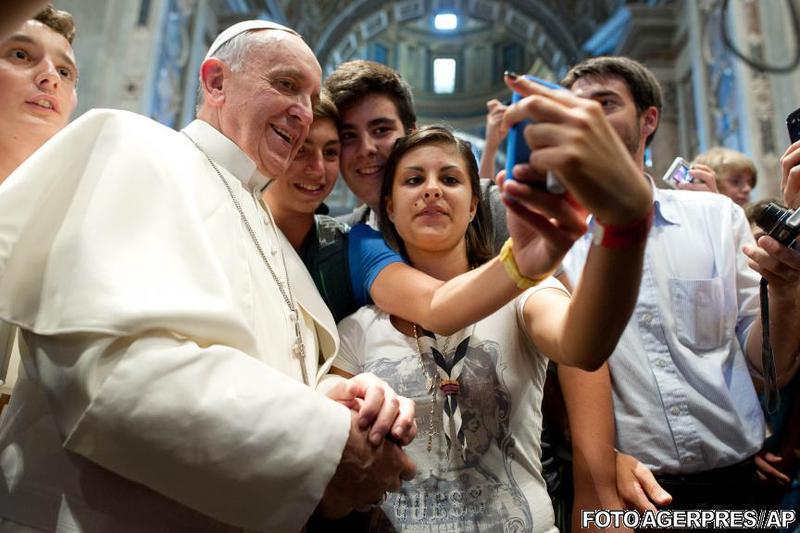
point(730, 487)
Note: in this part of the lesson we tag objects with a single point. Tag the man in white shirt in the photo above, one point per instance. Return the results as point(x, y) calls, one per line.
point(38, 76)
point(684, 403)
point(172, 337)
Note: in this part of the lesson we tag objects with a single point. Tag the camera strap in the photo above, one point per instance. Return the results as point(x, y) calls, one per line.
point(772, 397)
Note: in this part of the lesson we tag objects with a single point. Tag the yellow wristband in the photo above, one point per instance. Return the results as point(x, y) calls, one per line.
point(510, 264)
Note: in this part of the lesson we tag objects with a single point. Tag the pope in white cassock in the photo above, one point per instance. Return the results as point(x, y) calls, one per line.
point(168, 327)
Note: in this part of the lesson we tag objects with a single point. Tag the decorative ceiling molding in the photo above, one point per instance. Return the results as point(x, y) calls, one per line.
point(524, 19)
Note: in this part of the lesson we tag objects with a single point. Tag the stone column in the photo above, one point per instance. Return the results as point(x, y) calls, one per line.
point(781, 44)
point(114, 48)
point(758, 115)
point(649, 39)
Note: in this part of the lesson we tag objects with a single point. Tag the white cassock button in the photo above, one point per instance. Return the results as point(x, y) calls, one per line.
point(675, 410)
point(293, 316)
point(661, 363)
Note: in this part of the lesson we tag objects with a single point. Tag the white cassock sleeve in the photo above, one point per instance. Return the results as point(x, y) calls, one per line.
point(123, 264)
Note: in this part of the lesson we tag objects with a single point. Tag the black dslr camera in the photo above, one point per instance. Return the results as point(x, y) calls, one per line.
point(780, 223)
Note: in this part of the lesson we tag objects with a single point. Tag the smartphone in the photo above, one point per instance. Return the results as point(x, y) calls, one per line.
point(518, 151)
point(793, 125)
point(678, 172)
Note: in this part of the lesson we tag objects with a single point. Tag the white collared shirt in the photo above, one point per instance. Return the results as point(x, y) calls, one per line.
point(683, 396)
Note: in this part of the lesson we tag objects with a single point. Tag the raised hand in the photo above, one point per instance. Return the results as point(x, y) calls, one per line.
point(790, 175)
point(704, 179)
point(543, 226)
point(572, 137)
point(496, 131)
point(778, 264)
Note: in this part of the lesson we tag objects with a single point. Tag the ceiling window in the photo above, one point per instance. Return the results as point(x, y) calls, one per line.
point(444, 75)
point(445, 21)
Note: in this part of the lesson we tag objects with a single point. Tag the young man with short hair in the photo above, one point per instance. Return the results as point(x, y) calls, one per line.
point(375, 109)
point(684, 402)
point(38, 78)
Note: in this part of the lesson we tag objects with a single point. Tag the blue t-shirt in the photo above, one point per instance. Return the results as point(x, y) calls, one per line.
point(368, 254)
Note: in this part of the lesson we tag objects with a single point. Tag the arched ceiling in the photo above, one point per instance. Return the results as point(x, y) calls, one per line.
point(325, 22)
point(539, 36)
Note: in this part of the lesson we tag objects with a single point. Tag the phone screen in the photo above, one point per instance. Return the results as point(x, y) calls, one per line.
point(681, 174)
point(793, 125)
point(678, 172)
point(517, 150)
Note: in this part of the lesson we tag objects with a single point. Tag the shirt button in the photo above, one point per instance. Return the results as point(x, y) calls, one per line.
point(661, 363)
point(273, 250)
point(689, 459)
point(647, 319)
point(676, 410)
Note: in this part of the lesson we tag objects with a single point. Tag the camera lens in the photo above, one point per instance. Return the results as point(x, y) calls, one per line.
point(780, 223)
point(769, 215)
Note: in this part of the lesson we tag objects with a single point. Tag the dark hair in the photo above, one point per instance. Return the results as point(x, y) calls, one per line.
point(479, 232)
point(59, 21)
point(325, 108)
point(353, 80)
point(644, 87)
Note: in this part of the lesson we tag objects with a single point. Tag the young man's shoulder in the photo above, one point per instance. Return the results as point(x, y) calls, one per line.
point(697, 199)
point(331, 226)
point(699, 206)
point(356, 216)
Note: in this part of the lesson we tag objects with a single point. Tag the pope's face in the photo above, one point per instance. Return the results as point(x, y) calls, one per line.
point(37, 82)
point(268, 101)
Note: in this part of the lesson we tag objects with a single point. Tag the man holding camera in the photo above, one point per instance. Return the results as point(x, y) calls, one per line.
point(684, 402)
